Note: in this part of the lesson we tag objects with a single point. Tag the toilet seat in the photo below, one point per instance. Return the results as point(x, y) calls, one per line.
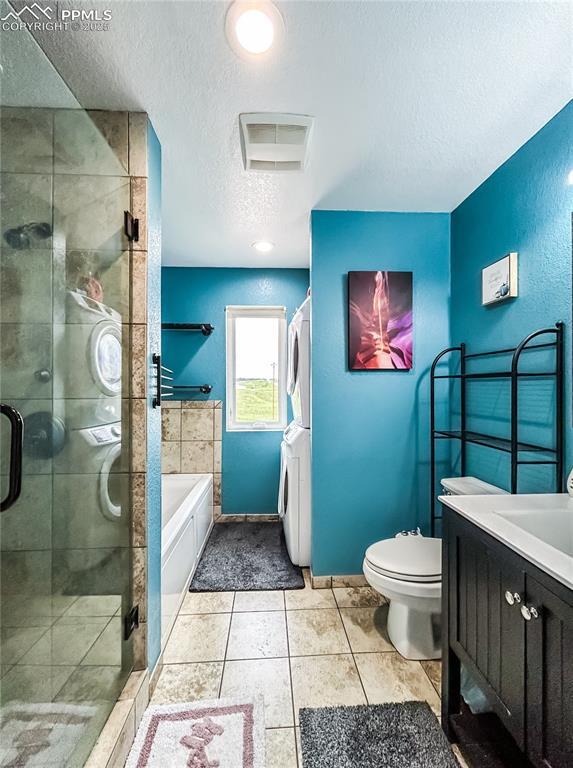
point(407, 559)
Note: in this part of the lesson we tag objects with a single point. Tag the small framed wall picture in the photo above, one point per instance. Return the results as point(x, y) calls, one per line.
point(499, 280)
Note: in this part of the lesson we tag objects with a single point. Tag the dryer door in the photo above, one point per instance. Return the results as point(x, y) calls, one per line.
point(292, 357)
point(110, 484)
point(105, 357)
point(289, 502)
point(283, 482)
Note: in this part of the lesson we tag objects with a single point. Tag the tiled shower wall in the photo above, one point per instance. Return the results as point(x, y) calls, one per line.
point(191, 440)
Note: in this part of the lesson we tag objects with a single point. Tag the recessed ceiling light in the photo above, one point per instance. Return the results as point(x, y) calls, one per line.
point(255, 31)
point(252, 27)
point(263, 246)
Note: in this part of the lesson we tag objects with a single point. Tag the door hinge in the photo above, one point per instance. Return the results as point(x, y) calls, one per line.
point(131, 227)
point(130, 622)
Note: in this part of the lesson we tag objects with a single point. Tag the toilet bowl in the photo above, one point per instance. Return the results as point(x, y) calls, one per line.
point(407, 570)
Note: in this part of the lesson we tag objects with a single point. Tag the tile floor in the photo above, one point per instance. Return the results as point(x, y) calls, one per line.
point(297, 648)
point(71, 645)
point(64, 649)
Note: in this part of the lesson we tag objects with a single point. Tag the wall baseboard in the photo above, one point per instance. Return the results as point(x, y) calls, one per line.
point(328, 582)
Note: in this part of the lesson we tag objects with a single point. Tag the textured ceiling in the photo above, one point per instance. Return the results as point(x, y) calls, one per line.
point(416, 103)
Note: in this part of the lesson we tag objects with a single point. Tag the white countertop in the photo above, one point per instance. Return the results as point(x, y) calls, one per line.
point(539, 527)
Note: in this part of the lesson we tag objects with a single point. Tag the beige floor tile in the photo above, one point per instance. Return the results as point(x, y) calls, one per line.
point(95, 605)
point(33, 611)
point(92, 684)
point(325, 681)
point(366, 629)
point(434, 671)
point(15, 641)
point(316, 632)
point(308, 598)
point(357, 597)
point(198, 638)
point(179, 683)
point(207, 602)
point(107, 649)
point(389, 677)
point(65, 644)
point(281, 748)
point(259, 601)
point(257, 635)
point(33, 684)
point(269, 678)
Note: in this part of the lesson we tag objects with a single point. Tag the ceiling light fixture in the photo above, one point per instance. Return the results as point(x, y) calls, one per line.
point(253, 27)
point(263, 246)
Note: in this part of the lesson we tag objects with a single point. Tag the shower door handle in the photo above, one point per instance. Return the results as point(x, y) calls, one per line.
point(16, 445)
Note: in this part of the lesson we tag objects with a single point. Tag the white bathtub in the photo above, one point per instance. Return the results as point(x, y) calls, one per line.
point(186, 521)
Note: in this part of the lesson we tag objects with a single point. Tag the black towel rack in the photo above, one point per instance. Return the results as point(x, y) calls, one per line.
point(161, 375)
point(205, 328)
point(204, 388)
point(552, 455)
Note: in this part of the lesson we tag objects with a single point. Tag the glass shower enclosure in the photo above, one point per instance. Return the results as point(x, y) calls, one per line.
point(65, 570)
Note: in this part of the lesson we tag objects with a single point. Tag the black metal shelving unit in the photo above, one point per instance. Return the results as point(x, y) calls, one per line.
point(548, 455)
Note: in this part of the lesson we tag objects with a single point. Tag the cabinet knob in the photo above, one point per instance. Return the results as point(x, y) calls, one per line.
point(529, 612)
point(511, 598)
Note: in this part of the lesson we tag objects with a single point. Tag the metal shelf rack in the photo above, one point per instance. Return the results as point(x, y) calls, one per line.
point(521, 453)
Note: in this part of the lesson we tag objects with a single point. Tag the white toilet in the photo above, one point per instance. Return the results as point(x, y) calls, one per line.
point(407, 570)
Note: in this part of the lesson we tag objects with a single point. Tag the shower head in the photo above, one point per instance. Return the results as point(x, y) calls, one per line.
point(20, 238)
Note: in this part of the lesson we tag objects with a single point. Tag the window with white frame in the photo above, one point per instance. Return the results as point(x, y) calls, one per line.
point(256, 368)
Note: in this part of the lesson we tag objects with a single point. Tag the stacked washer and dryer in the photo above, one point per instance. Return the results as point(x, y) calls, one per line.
point(86, 428)
point(295, 488)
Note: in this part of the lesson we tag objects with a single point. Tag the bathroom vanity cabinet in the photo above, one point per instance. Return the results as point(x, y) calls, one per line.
point(511, 626)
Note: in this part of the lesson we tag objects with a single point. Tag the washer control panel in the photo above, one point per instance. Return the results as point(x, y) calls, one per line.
point(106, 434)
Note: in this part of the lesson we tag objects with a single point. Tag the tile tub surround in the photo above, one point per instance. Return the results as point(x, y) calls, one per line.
point(295, 648)
point(191, 440)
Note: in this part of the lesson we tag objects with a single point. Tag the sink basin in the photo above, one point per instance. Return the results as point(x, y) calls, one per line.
point(537, 526)
point(552, 526)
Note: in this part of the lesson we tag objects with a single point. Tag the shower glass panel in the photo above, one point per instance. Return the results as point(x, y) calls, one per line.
point(65, 570)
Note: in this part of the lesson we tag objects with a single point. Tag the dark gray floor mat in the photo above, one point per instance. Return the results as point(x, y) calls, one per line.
point(246, 556)
point(405, 735)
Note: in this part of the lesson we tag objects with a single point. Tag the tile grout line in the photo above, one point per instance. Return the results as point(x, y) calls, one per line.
point(227, 645)
point(353, 659)
point(291, 686)
point(439, 694)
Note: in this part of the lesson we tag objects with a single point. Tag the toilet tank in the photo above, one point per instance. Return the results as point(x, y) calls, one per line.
point(469, 486)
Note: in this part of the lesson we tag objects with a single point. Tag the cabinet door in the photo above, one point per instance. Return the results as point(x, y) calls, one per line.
point(489, 631)
point(549, 638)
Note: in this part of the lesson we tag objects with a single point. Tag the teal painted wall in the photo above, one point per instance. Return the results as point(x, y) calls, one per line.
point(251, 460)
point(370, 429)
point(153, 476)
point(524, 206)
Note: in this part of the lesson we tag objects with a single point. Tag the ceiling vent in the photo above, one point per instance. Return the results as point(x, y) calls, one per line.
point(274, 142)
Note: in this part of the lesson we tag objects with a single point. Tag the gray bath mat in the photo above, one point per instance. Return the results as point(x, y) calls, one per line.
point(404, 735)
point(246, 556)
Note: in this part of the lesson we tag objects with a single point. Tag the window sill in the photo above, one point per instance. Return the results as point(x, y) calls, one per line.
point(251, 428)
